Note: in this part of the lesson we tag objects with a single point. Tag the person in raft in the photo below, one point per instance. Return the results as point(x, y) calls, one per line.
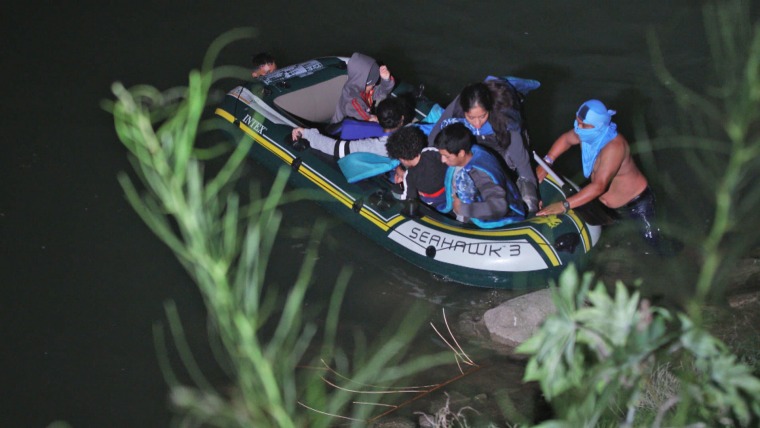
point(607, 160)
point(421, 173)
point(368, 83)
point(263, 64)
point(478, 189)
point(491, 110)
point(390, 114)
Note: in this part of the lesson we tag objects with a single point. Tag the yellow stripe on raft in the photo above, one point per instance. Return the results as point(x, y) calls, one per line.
point(307, 172)
point(582, 228)
point(286, 157)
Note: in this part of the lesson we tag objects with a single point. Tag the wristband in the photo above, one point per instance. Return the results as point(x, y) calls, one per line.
point(548, 160)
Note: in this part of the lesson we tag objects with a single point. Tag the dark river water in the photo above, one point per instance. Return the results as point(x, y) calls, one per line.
point(83, 280)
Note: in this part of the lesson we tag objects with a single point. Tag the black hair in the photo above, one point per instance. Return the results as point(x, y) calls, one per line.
point(406, 143)
point(500, 99)
point(409, 104)
point(390, 113)
point(261, 59)
point(477, 94)
point(455, 138)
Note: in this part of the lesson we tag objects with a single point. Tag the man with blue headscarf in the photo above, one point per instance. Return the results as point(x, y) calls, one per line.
point(607, 161)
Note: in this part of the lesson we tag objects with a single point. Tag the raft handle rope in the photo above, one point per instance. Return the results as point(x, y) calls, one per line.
point(296, 164)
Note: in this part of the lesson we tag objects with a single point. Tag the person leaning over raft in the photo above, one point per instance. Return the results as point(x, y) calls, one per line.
point(477, 188)
point(367, 84)
point(491, 110)
point(615, 178)
point(263, 64)
point(390, 114)
point(421, 173)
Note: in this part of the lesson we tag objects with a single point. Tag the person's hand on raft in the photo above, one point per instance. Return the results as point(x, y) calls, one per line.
point(555, 208)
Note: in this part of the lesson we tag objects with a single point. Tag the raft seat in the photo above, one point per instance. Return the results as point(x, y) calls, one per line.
point(315, 103)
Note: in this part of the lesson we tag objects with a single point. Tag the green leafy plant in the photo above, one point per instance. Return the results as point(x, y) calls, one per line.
point(721, 141)
point(594, 359)
point(225, 242)
point(613, 359)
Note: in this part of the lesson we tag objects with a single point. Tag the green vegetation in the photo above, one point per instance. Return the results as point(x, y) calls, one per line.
point(617, 360)
point(614, 359)
point(606, 358)
point(721, 140)
point(224, 242)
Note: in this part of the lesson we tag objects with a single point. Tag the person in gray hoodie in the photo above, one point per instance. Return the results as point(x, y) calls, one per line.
point(367, 84)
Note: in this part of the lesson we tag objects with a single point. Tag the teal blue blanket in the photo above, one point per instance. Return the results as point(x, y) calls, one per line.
point(360, 165)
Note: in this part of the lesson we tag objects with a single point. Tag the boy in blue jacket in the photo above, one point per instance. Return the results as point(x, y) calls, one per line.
point(478, 190)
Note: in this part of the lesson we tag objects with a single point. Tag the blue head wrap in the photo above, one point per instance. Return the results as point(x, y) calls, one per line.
point(593, 140)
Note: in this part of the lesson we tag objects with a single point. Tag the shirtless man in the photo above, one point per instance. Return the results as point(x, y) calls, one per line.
point(615, 179)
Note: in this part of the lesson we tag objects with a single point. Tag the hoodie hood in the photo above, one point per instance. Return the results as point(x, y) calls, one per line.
point(361, 70)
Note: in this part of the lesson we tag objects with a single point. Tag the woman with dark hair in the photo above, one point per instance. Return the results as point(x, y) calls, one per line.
point(491, 110)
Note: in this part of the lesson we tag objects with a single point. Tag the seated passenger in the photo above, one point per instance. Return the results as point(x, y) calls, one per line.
point(477, 188)
point(491, 110)
point(367, 84)
point(263, 64)
point(421, 173)
point(390, 113)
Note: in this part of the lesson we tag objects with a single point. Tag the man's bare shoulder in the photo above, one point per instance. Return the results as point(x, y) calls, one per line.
point(620, 137)
point(612, 156)
point(616, 155)
point(618, 146)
